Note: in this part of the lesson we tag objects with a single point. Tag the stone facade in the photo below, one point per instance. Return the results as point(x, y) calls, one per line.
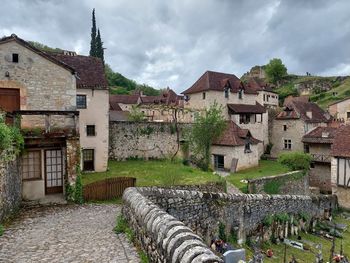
point(202, 212)
point(340, 110)
point(10, 188)
point(145, 140)
point(292, 183)
point(268, 99)
point(245, 159)
point(96, 113)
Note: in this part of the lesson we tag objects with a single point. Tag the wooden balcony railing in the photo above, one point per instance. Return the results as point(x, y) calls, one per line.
point(323, 158)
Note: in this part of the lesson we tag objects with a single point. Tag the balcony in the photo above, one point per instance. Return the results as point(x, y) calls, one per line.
point(322, 158)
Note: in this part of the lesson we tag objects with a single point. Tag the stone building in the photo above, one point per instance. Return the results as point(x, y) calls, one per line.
point(240, 102)
point(42, 90)
point(92, 96)
point(290, 125)
point(340, 110)
point(235, 150)
point(340, 166)
point(266, 96)
point(318, 143)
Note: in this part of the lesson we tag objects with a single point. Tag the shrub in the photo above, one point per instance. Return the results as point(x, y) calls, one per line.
point(78, 193)
point(122, 227)
point(295, 160)
point(222, 234)
point(1, 230)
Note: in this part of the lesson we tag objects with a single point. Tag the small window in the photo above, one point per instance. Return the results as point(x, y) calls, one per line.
point(306, 148)
point(284, 127)
point(90, 130)
point(244, 118)
point(81, 101)
point(240, 94)
point(348, 115)
point(287, 144)
point(15, 58)
point(247, 147)
point(226, 93)
point(31, 165)
point(203, 95)
point(264, 97)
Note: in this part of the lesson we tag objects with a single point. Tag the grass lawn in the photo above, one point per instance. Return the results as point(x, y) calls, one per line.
point(265, 168)
point(303, 256)
point(153, 173)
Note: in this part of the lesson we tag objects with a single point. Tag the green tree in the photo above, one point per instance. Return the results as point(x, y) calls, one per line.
point(206, 128)
point(93, 35)
point(99, 47)
point(275, 70)
point(295, 160)
point(136, 115)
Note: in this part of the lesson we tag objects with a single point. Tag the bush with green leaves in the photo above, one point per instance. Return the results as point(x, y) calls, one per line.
point(275, 70)
point(1, 230)
point(11, 140)
point(78, 192)
point(136, 114)
point(295, 160)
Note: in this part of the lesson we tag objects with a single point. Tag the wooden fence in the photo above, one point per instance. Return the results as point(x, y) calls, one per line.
point(108, 189)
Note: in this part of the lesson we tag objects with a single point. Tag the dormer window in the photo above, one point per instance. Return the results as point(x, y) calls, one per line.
point(226, 93)
point(240, 94)
point(203, 95)
point(14, 57)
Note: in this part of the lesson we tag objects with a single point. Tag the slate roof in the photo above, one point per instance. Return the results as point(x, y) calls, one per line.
point(320, 135)
point(246, 108)
point(211, 80)
point(25, 44)
point(341, 143)
point(299, 109)
point(90, 70)
point(235, 136)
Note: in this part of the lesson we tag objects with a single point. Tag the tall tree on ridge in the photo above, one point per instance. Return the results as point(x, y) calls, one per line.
point(93, 35)
point(99, 47)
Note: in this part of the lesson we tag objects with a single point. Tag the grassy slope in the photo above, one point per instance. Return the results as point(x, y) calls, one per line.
point(265, 168)
point(154, 173)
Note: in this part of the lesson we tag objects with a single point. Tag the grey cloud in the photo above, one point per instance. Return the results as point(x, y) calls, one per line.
point(171, 43)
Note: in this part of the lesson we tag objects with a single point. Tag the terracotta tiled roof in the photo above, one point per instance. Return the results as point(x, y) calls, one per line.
point(290, 98)
point(168, 97)
point(341, 143)
point(259, 85)
point(320, 135)
point(114, 106)
point(299, 110)
point(246, 108)
point(235, 136)
point(24, 43)
point(125, 99)
point(211, 80)
point(90, 70)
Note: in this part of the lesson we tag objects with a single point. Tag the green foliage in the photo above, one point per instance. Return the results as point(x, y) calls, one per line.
point(172, 128)
point(78, 192)
point(99, 47)
point(285, 91)
point(11, 140)
point(123, 85)
point(222, 231)
point(136, 114)
point(281, 217)
point(275, 70)
point(272, 187)
point(268, 220)
point(295, 160)
point(268, 148)
point(143, 257)
point(1, 230)
point(304, 216)
point(122, 227)
point(43, 47)
point(69, 193)
point(206, 128)
point(93, 35)
point(146, 131)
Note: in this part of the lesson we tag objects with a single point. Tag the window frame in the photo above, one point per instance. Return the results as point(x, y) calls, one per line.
point(23, 165)
point(285, 127)
point(203, 95)
point(15, 57)
point(93, 126)
point(288, 143)
point(79, 106)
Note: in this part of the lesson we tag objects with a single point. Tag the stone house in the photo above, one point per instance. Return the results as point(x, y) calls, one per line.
point(42, 90)
point(318, 143)
point(92, 96)
point(240, 102)
point(291, 124)
point(266, 96)
point(340, 166)
point(235, 150)
point(340, 110)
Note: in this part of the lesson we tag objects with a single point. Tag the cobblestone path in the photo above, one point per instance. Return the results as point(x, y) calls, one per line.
point(66, 234)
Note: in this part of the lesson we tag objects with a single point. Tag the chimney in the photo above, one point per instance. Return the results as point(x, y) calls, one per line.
point(309, 114)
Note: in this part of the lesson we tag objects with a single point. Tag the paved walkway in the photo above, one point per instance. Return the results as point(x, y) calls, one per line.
point(66, 234)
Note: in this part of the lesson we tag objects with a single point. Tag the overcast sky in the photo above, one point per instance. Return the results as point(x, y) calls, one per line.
point(172, 42)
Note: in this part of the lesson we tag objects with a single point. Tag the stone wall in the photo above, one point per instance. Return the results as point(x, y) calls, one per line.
point(293, 183)
point(202, 212)
point(320, 176)
point(10, 188)
point(145, 140)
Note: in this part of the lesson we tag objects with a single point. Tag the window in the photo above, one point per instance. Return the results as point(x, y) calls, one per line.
point(31, 165)
point(244, 118)
point(240, 94)
point(284, 127)
point(15, 58)
point(306, 148)
point(226, 93)
point(348, 115)
point(203, 95)
point(219, 162)
point(88, 159)
point(287, 144)
point(247, 147)
point(81, 101)
point(90, 130)
point(264, 97)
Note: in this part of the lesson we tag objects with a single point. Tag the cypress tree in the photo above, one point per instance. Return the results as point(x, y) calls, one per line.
point(93, 35)
point(99, 47)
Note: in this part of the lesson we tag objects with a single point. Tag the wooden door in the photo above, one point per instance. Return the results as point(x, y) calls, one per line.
point(53, 171)
point(9, 99)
